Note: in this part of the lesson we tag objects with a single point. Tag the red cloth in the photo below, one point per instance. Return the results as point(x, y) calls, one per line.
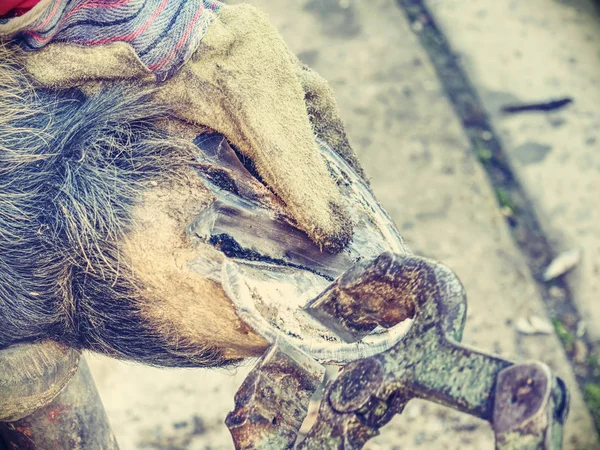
point(19, 6)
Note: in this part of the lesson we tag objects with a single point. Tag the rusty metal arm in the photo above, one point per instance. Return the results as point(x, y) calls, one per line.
point(525, 403)
point(273, 400)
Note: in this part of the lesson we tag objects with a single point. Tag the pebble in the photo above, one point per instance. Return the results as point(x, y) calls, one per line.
point(533, 325)
point(562, 264)
point(580, 353)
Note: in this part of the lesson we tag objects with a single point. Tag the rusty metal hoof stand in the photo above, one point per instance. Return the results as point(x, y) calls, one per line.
point(525, 403)
point(48, 400)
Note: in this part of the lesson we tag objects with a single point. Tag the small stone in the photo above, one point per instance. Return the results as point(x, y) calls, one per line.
point(562, 264)
point(570, 320)
point(580, 332)
point(580, 352)
point(506, 211)
point(486, 136)
point(557, 293)
point(533, 325)
point(417, 26)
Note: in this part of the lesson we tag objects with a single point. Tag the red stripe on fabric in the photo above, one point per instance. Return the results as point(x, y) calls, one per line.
point(181, 41)
point(85, 4)
point(133, 35)
point(94, 4)
point(51, 15)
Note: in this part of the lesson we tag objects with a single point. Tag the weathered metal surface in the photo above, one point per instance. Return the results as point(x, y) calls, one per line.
point(427, 363)
point(370, 294)
point(273, 401)
point(31, 375)
point(74, 420)
point(530, 408)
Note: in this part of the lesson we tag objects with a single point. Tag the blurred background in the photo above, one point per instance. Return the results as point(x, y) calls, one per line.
point(478, 124)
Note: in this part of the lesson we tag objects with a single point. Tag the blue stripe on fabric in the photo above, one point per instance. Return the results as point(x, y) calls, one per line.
point(153, 45)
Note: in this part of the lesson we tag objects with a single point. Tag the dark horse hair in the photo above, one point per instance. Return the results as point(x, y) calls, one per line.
point(71, 169)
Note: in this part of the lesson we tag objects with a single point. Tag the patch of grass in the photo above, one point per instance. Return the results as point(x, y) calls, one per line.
point(484, 154)
point(504, 199)
point(567, 338)
point(591, 392)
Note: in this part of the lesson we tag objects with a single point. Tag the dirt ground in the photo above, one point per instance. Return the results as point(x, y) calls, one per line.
point(424, 171)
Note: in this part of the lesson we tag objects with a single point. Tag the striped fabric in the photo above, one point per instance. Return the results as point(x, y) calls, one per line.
point(164, 33)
